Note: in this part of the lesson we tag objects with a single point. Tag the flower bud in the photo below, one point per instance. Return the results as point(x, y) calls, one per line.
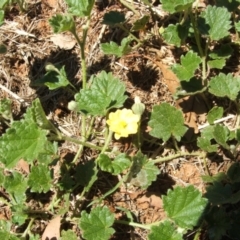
point(138, 107)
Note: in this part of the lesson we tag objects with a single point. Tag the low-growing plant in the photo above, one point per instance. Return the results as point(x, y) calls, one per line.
point(35, 139)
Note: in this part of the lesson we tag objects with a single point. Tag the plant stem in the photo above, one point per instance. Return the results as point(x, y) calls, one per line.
point(165, 159)
point(84, 79)
point(28, 228)
point(107, 142)
point(129, 6)
point(111, 190)
point(85, 144)
point(175, 143)
point(147, 227)
point(128, 32)
point(196, 34)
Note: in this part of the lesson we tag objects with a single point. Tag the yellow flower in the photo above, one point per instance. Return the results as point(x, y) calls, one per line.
point(123, 122)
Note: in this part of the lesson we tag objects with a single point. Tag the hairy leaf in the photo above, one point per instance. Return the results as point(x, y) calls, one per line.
point(97, 224)
point(221, 135)
point(223, 52)
point(68, 235)
point(164, 231)
point(116, 166)
point(234, 172)
point(36, 114)
point(174, 6)
point(218, 21)
point(218, 193)
point(53, 79)
point(225, 86)
point(106, 92)
point(86, 174)
point(19, 213)
point(140, 23)
point(80, 8)
point(189, 64)
point(231, 5)
point(204, 142)
point(143, 172)
point(185, 206)
point(16, 185)
point(6, 109)
point(217, 63)
point(218, 223)
point(113, 17)
point(175, 34)
point(62, 23)
point(214, 114)
point(40, 178)
point(166, 121)
point(114, 49)
point(23, 140)
point(3, 48)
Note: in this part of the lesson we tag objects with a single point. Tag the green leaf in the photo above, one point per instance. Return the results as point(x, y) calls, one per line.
point(221, 135)
point(189, 64)
point(16, 185)
point(19, 214)
point(218, 223)
point(3, 3)
point(2, 176)
point(62, 23)
point(97, 224)
point(174, 6)
point(237, 26)
point(6, 108)
point(223, 52)
point(218, 22)
point(86, 174)
point(80, 8)
point(7, 236)
point(140, 23)
point(233, 232)
point(185, 206)
point(3, 48)
point(5, 231)
point(49, 153)
point(115, 49)
point(143, 171)
point(221, 176)
point(68, 235)
point(193, 86)
point(217, 63)
point(1, 17)
point(172, 35)
point(113, 17)
point(23, 140)
point(105, 93)
point(54, 78)
point(231, 5)
point(164, 231)
point(204, 142)
point(218, 193)
point(234, 172)
point(225, 86)
point(36, 114)
point(214, 114)
point(166, 121)
point(120, 163)
point(40, 179)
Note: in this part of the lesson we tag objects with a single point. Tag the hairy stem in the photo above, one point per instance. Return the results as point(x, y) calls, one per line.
point(181, 154)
